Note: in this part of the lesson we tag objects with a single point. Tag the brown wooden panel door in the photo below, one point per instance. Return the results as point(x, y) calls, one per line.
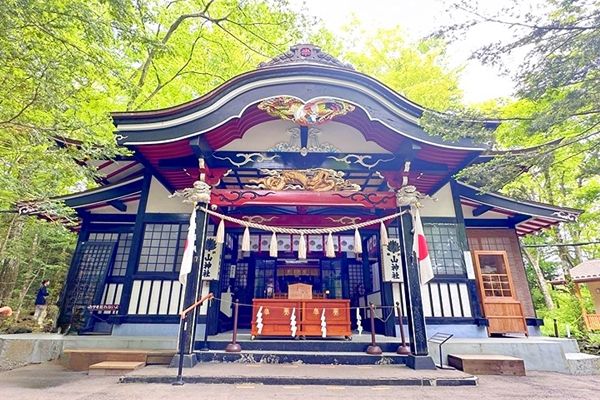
point(500, 306)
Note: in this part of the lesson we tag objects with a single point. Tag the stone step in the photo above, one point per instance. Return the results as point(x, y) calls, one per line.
point(115, 367)
point(583, 364)
point(300, 375)
point(300, 345)
point(302, 357)
point(82, 359)
point(487, 364)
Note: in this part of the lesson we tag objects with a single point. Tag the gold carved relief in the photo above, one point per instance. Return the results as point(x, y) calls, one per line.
point(314, 180)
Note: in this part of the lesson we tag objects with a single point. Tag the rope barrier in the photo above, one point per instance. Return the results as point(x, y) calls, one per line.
point(320, 307)
point(306, 231)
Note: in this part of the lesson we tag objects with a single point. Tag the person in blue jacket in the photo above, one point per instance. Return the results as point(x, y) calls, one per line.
point(40, 303)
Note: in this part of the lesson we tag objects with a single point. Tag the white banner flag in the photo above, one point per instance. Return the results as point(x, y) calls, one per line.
point(188, 252)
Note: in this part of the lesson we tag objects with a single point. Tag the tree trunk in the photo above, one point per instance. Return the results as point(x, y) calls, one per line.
point(28, 282)
point(9, 264)
point(540, 278)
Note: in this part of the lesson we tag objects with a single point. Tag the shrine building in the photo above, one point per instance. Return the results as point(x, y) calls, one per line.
point(315, 170)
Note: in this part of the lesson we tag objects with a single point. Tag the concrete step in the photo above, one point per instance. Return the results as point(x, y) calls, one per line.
point(300, 375)
point(82, 359)
point(115, 367)
point(301, 357)
point(583, 364)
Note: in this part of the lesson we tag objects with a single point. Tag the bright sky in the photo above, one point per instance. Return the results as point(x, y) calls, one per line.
point(419, 18)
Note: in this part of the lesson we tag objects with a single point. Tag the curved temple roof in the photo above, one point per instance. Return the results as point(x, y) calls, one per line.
point(306, 77)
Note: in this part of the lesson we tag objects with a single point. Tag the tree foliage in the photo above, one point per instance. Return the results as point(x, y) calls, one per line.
point(549, 136)
point(67, 63)
point(417, 70)
point(557, 85)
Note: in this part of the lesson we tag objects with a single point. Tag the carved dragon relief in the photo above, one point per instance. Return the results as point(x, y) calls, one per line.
point(314, 180)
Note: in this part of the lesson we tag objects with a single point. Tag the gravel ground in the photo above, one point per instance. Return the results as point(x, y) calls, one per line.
point(50, 381)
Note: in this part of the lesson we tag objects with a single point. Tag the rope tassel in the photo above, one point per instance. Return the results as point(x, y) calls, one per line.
point(383, 235)
point(329, 249)
point(221, 232)
point(246, 240)
point(357, 242)
point(302, 248)
point(273, 245)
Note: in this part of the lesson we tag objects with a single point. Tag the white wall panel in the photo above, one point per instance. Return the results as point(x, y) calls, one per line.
point(466, 303)
point(436, 304)
point(456, 300)
point(154, 297)
point(175, 298)
point(163, 308)
point(426, 301)
point(144, 297)
point(135, 295)
point(445, 299)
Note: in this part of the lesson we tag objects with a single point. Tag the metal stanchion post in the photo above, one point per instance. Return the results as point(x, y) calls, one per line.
point(234, 347)
point(403, 348)
point(182, 326)
point(373, 349)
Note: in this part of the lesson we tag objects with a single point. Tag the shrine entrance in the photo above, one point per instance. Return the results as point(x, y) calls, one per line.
point(257, 276)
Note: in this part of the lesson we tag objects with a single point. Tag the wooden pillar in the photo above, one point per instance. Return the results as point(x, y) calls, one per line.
point(194, 279)
point(419, 359)
point(474, 297)
point(136, 246)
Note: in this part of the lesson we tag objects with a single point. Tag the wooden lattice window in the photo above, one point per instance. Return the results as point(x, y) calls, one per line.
point(494, 273)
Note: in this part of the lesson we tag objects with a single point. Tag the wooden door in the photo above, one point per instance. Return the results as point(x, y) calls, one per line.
point(500, 305)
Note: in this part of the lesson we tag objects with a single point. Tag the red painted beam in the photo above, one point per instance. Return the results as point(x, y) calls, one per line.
point(372, 200)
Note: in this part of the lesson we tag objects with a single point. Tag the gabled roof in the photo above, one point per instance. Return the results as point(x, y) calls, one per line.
point(587, 271)
point(116, 195)
point(528, 216)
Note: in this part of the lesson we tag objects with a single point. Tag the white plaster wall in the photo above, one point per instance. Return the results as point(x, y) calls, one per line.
point(159, 201)
point(266, 135)
point(443, 207)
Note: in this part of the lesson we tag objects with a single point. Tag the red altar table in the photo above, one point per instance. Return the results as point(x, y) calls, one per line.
point(276, 314)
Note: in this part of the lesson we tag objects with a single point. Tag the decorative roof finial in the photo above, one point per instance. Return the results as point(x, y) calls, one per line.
point(305, 54)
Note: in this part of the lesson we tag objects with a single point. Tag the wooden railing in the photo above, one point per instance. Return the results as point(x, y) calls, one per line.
point(592, 321)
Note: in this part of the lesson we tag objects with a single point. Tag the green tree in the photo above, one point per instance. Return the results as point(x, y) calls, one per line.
point(67, 63)
point(417, 70)
point(549, 136)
